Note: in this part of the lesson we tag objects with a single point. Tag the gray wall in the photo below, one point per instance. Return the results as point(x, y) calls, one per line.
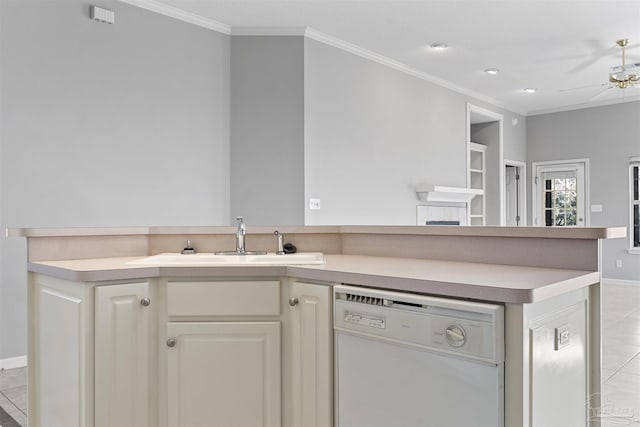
point(267, 129)
point(372, 133)
point(607, 136)
point(105, 125)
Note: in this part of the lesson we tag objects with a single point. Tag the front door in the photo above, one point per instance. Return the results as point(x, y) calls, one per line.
point(560, 194)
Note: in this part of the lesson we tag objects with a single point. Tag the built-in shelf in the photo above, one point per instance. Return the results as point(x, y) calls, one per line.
point(441, 193)
point(477, 181)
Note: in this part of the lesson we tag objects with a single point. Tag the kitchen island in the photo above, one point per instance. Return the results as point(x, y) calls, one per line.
point(142, 337)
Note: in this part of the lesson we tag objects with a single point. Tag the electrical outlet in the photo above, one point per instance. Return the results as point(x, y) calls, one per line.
point(562, 337)
point(314, 204)
point(619, 263)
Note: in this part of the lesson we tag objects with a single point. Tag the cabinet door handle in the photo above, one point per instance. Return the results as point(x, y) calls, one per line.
point(145, 302)
point(293, 301)
point(171, 342)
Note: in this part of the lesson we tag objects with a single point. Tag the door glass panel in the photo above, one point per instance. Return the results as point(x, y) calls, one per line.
point(636, 182)
point(636, 226)
point(560, 201)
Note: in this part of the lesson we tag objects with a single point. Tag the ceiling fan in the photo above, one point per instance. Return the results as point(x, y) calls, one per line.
point(622, 77)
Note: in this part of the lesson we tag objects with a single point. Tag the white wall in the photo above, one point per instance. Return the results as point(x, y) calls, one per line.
point(607, 136)
point(105, 125)
point(372, 133)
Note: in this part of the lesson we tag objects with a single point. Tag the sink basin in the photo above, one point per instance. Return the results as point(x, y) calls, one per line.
point(204, 259)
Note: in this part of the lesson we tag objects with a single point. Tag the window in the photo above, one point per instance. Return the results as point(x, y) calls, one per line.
point(634, 202)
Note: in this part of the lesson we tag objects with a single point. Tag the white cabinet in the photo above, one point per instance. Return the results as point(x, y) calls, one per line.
point(180, 353)
point(122, 356)
point(312, 355)
point(477, 181)
point(59, 358)
point(224, 374)
point(89, 354)
point(223, 370)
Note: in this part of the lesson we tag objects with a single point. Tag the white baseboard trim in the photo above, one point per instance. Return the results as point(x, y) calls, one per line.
point(606, 281)
point(13, 362)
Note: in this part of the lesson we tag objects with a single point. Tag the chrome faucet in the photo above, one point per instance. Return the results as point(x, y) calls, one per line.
point(240, 241)
point(240, 233)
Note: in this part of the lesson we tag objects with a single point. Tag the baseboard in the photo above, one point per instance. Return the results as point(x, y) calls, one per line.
point(13, 362)
point(606, 281)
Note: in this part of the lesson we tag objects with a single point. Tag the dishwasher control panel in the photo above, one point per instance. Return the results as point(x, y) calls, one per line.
point(469, 329)
point(364, 319)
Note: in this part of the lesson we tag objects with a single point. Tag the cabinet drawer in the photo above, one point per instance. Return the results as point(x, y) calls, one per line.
point(229, 298)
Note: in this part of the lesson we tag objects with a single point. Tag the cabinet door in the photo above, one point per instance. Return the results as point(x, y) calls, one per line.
point(122, 314)
point(223, 374)
point(312, 355)
point(58, 352)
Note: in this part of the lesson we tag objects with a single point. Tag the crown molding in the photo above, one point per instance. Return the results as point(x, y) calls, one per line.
point(268, 31)
point(391, 63)
point(174, 12)
point(586, 105)
point(318, 36)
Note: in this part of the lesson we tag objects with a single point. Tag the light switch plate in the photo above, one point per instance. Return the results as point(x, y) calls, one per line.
point(314, 204)
point(596, 208)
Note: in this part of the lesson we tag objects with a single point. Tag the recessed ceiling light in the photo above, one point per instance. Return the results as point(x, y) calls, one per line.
point(529, 90)
point(438, 46)
point(492, 71)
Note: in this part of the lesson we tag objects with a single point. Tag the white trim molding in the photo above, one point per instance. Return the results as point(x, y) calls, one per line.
point(13, 362)
point(310, 33)
point(174, 12)
point(268, 31)
point(626, 282)
point(396, 65)
point(620, 100)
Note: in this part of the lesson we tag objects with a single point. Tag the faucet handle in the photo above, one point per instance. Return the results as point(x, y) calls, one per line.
point(280, 239)
point(240, 219)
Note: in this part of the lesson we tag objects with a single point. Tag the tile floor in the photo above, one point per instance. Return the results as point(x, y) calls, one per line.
point(13, 394)
point(621, 355)
point(620, 373)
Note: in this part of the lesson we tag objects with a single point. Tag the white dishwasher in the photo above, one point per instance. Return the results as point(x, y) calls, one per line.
point(407, 360)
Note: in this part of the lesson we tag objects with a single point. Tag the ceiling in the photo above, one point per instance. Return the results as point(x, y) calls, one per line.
point(548, 45)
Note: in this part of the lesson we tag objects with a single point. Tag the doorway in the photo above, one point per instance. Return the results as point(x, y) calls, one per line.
point(560, 191)
point(514, 193)
point(485, 134)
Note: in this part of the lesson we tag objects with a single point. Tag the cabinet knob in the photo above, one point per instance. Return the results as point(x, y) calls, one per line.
point(145, 302)
point(171, 342)
point(293, 301)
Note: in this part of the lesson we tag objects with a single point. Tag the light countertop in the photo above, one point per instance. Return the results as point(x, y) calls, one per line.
point(485, 231)
point(488, 282)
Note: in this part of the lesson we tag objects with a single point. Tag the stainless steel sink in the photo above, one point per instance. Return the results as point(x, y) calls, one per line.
point(230, 258)
point(236, 253)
